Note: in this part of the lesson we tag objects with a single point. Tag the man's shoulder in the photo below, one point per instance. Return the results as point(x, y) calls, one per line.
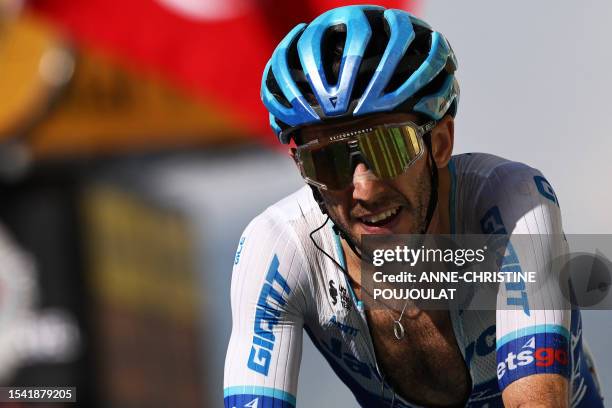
point(483, 173)
point(486, 165)
point(297, 211)
point(491, 186)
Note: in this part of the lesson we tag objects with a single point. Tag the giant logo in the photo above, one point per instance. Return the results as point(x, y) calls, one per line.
point(267, 316)
point(493, 224)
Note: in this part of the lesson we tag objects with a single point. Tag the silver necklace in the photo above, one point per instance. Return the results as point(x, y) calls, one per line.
point(398, 327)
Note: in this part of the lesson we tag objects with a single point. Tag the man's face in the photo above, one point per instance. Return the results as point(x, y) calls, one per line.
point(372, 205)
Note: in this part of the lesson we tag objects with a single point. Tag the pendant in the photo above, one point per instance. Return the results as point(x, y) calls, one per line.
point(398, 329)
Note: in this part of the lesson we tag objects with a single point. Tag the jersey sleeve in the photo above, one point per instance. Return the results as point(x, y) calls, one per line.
point(268, 308)
point(532, 318)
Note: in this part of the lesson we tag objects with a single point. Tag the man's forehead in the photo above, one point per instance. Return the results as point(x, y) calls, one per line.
point(330, 128)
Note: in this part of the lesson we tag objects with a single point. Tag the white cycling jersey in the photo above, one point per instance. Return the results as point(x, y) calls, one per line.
point(282, 285)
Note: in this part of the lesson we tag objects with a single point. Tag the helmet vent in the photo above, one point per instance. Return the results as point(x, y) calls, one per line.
point(332, 49)
point(274, 88)
point(297, 72)
point(412, 59)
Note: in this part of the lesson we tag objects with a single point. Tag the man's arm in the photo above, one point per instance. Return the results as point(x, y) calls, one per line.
point(264, 351)
point(533, 319)
point(542, 390)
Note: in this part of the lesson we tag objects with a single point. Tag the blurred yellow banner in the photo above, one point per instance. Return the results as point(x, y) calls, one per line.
point(65, 102)
point(107, 109)
point(27, 81)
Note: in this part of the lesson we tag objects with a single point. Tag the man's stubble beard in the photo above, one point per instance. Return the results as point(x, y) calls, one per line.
point(419, 211)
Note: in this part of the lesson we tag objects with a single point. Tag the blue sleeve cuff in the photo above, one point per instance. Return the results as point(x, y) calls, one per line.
point(260, 397)
point(533, 353)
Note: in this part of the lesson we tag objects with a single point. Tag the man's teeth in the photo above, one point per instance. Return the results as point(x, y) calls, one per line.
point(381, 216)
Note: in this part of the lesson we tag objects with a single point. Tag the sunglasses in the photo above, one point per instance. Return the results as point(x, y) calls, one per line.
point(387, 150)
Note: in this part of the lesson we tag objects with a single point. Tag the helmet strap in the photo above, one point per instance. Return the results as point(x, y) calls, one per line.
point(433, 193)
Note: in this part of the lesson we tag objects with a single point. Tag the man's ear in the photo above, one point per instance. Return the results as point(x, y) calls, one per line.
point(442, 140)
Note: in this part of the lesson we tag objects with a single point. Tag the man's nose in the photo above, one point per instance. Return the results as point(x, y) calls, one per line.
point(365, 183)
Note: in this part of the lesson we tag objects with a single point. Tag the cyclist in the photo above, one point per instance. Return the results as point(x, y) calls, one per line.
point(369, 95)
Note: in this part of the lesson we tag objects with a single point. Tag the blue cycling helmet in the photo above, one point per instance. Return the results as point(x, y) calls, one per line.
point(358, 60)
